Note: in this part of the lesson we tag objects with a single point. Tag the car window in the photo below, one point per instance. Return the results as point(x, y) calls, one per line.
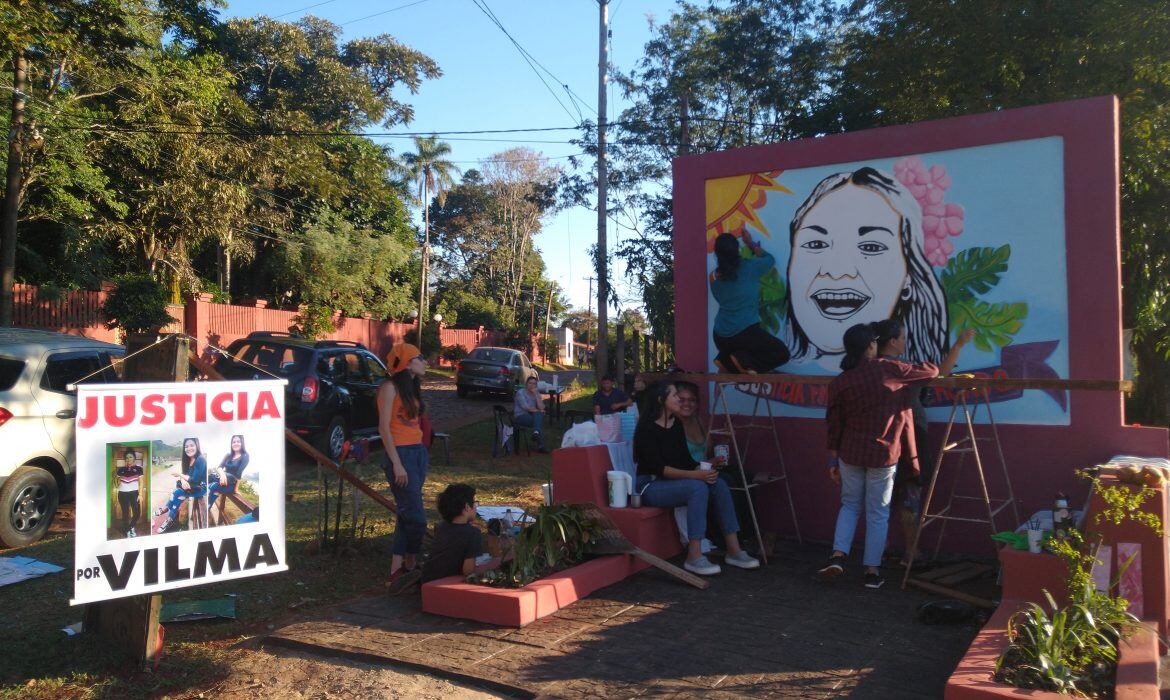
point(515, 360)
point(65, 368)
point(281, 360)
point(330, 366)
point(490, 355)
point(10, 369)
point(355, 370)
point(375, 368)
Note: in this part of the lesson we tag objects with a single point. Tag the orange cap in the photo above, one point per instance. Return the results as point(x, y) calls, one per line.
point(400, 356)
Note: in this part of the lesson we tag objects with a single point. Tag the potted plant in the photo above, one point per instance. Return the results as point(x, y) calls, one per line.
point(1073, 648)
point(559, 537)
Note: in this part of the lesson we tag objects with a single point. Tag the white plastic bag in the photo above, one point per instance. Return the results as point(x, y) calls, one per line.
point(680, 519)
point(581, 435)
point(609, 427)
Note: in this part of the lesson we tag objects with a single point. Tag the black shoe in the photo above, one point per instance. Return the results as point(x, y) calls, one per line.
point(834, 568)
point(873, 580)
point(405, 582)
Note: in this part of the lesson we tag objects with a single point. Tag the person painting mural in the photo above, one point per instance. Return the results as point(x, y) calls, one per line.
point(743, 345)
point(400, 411)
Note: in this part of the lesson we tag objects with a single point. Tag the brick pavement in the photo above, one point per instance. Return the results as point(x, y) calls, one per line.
point(777, 632)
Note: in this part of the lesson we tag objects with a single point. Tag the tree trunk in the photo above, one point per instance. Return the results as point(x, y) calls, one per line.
point(1150, 402)
point(12, 192)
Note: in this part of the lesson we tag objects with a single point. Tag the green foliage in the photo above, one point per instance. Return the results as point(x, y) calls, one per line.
point(994, 324)
point(315, 321)
point(1070, 649)
point(773, 300)
point(559, 538)
point(453, 353)
point(1073, 649)
point(219, 295)
point(137, 305)
point(974, 271)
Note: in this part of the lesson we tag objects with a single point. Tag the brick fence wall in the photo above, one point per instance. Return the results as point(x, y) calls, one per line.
point(79, 312)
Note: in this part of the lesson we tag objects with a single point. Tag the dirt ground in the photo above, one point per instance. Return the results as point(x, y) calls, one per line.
point(281, 673)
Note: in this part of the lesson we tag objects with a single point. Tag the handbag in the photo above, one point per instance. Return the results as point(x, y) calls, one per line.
point(428, 430)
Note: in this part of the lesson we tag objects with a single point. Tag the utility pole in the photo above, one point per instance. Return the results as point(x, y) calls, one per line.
point(12, 191)
point(422, 283)
point(590, 311)
point(602, 354)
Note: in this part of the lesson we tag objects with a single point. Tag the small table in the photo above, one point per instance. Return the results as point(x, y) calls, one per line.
point(554, 395)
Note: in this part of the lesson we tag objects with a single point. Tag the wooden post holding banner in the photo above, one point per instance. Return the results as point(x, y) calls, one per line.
point(131, 624)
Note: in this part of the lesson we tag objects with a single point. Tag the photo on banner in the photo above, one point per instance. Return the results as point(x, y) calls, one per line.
point(170, 480)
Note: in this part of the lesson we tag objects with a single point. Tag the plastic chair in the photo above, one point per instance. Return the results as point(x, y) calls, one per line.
point(503, 418)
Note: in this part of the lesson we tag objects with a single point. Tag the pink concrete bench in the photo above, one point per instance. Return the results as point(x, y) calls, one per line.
point(578, 477)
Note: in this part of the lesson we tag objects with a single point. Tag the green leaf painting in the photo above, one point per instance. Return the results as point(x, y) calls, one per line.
point(974, 271)
point(994, 324)
point(772, 301)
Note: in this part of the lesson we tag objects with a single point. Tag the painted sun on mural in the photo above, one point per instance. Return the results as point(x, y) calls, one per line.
point(935, 240)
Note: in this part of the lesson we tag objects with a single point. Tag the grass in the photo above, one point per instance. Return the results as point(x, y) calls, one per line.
point(39, 661)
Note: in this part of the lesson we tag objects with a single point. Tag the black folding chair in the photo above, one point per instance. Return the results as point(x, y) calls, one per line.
point(503, 418)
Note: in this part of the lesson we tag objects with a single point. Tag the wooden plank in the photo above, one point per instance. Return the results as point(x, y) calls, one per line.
point(945, 571)
point(974, 571)
point(1002, 383)
point(952, 593)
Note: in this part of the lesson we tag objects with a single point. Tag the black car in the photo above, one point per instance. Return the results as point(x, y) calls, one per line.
point(332, 392)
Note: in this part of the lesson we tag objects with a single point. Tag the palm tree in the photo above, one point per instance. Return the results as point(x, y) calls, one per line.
point(434, 173)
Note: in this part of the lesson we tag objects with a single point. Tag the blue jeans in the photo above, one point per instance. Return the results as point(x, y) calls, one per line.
point(695, 495)
point(874, 487)
point(412, 514)
point(214, 489)
point(177, 497)
point(530, 420)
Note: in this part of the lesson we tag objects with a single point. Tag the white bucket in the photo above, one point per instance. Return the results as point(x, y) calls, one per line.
point(620, 485)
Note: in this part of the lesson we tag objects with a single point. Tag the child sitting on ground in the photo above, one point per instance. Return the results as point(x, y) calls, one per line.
point(457, 541)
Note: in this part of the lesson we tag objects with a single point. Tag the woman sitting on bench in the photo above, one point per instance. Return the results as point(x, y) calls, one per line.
point(231, 470)
point(191, 483)
point(669, 477)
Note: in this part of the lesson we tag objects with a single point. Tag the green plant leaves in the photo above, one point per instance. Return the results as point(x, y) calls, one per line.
point(773, 298)
point(994, 324)
point(974, 271)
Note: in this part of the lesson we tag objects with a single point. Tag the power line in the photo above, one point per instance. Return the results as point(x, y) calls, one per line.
point(286, 14)
point(523, 54)
point(383, 12)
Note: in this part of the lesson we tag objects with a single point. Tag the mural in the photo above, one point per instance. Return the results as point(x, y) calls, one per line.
point(946, 241)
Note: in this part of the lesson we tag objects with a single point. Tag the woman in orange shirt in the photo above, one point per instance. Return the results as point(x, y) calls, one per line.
point(400, 409)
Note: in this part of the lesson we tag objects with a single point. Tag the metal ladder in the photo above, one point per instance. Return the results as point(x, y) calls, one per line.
point(962, 446)
point(719, 404)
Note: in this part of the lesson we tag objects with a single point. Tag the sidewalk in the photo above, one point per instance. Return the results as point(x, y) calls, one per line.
point(776, 632)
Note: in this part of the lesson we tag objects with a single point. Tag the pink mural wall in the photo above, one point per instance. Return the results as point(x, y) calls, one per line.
point(1080, 429)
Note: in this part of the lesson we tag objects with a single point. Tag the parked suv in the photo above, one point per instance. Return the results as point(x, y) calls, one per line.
point(38, 410)
point(332, 392)
point(501, 370)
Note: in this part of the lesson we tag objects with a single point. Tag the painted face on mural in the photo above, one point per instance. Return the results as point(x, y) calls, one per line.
point(847, 265)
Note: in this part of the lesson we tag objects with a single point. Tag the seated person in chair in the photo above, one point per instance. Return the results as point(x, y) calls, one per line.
point(609, 399)
point(528, 412)
point(669, 477)
point(191, 483)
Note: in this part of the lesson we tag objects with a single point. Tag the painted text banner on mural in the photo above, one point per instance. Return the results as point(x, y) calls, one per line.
point(178, 484)
point(970, 238)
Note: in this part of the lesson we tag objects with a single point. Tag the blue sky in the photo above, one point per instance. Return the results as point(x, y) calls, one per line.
point(486, 84)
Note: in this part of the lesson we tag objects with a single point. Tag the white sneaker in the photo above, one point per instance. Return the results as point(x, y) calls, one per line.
point(131, 533)
point(702, 566)
point(742, 559)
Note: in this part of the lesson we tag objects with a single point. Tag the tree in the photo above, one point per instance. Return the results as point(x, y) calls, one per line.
point(428, 165)
point(908, 60)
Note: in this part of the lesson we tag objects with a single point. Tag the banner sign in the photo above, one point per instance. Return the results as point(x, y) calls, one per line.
point(178, 484)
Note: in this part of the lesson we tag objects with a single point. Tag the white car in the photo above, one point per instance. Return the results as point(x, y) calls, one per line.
point(37, 416)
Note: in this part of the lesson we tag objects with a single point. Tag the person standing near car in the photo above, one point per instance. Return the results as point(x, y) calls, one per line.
point(400, 410)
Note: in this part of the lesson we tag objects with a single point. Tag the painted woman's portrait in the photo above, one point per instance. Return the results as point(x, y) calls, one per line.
point(857, 256)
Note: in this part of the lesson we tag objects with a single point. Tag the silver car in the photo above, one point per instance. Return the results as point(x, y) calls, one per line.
point(37, 415)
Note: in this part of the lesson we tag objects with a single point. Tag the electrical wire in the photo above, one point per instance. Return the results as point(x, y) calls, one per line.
point(293, 12)
point(383, 12)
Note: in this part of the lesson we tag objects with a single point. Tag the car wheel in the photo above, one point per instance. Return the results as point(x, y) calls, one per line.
point(461, 391)
point(28, 502)
point(333, 439)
